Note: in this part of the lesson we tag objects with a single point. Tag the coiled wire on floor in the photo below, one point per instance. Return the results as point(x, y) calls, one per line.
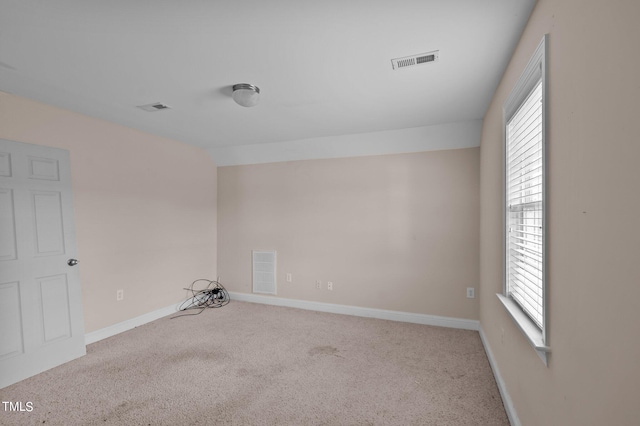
point(214, 295)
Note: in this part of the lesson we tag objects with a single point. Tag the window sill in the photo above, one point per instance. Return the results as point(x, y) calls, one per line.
point(527, 327)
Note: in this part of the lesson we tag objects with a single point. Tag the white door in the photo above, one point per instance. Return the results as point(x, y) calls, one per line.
point(41, 324)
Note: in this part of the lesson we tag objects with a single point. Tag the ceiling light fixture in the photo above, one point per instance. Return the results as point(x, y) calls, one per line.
point(246, 95)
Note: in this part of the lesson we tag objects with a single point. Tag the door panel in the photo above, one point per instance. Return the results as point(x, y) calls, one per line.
point(41, 323)
point(10, 320)
point(7, 226)
point(55, 307)
point(43, 169)
point(47, 213)
point(5, 164)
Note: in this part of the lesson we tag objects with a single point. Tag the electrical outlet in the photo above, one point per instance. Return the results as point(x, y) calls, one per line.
point(120, 295)
point(471, 293)
point(318, 284)
point(289, 279)
point(329, 286)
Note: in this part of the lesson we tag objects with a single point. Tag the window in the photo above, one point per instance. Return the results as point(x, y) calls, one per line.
point(524, 213)
point(524, 294)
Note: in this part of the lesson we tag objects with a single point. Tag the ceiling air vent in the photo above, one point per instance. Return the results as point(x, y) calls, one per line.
point(415, 60)
point(158, 106)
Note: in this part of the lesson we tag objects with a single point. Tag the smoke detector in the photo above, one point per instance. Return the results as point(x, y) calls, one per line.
point(157, 106)
point(415, 60)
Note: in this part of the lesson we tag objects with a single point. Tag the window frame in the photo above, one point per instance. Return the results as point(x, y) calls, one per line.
point(534, 72)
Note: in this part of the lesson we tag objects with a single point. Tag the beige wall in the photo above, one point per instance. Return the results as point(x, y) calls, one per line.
point(593, 376)
point(145, 208)
point(397, 232)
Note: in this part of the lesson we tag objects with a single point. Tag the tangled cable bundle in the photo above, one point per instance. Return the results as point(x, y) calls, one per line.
point(214, 295)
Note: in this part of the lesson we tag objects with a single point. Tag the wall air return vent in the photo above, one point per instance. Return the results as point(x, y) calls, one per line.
point(264, 271)
point(415, 60)
point(157, 106)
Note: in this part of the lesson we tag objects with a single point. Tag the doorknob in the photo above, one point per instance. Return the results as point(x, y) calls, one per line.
point(72, 262)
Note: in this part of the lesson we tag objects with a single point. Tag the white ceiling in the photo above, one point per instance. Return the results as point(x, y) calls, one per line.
point(323, 68)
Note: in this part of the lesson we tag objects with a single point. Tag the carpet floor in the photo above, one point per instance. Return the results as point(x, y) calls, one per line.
point(252, 364)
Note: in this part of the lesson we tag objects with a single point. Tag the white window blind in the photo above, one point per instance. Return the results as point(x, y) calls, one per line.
point(525, 209)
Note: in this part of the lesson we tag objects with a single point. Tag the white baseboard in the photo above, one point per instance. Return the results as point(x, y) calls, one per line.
point(506, 399)
point(465, 324)
point(114, 329)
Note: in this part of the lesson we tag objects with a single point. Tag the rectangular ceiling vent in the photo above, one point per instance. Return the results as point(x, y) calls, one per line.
point(415, 60)
point(157, 106)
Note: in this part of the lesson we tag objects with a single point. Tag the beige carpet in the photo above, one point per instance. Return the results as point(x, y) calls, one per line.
point(250, 364)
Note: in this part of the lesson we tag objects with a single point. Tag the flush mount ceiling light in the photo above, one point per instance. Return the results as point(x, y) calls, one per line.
point(246, 95)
